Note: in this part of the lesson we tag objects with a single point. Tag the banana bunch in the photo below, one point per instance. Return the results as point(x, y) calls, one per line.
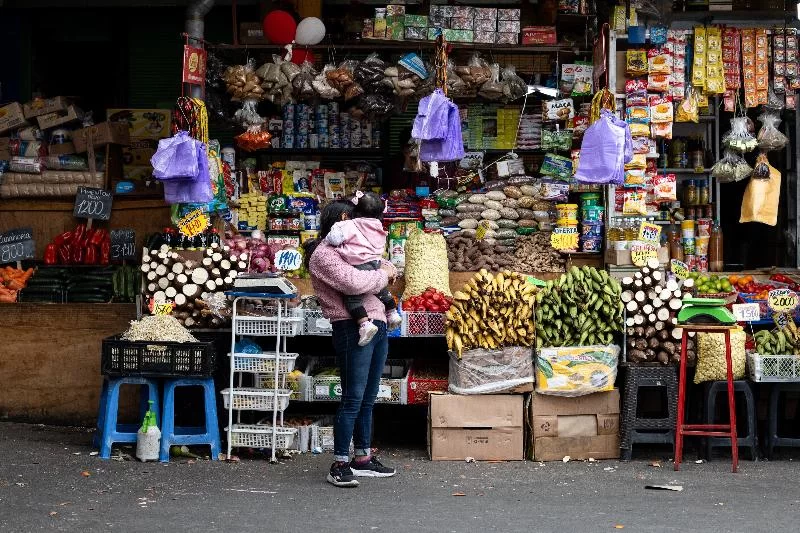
point(781, 341)
point(580, 308)
point(491, 311)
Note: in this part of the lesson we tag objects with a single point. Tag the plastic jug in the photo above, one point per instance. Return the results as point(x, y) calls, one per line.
point(148, 438)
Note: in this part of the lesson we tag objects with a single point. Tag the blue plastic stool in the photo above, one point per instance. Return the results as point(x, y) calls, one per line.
point(108, 431)
point(171, 435)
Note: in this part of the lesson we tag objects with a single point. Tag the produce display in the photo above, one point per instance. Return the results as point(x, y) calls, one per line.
point(13, 280)
point(712, 284)
point(426, 264)
point(576, 370)
point(81, 246)
point(782, 340)
point(430, 301)
point(580, 308)
point(711, 363)
point(491, 311)
point(157, 328)
point(652, 303)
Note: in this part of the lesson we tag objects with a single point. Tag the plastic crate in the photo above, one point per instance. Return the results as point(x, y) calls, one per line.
point(157, 359)
point(253, 399)
point(260, 436)
point(267, 326)
point(298, 387)
point(419, 389)
point(263, 362)
point(729, 297)
point(423, 324)
point(774, 368)
point(314, 323)
point(329, 388)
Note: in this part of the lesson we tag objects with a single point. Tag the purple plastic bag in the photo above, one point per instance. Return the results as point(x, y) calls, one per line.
point(607, 146)
point(431, 121)
point(192, 190)
point(176, 158)
point(451, 147)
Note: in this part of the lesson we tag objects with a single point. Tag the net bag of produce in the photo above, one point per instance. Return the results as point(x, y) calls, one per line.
point(609, 141)
point(426, 264)
point(576, 370)
point(711, 365)
point(481, 371)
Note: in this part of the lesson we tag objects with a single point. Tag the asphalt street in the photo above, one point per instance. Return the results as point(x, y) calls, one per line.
point(50, 482)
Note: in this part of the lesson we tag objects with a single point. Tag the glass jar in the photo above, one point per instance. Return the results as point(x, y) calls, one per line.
point(716, 262)
point(675, 246)
point(702, 193)
point(690, 193)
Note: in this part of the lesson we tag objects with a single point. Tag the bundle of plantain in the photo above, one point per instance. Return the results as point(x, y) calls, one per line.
point(781, 341)
point(581, 308)
point(491, 311)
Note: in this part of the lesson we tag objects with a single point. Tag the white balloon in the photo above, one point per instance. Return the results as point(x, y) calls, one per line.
point(310, 31)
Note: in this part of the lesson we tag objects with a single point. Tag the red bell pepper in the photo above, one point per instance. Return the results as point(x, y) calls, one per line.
point(64, 254)
point(98, 237)
point(63, 238)
point(77, 233)
point(90, 257)
point(51, 254)
point(77, 255)
point(105, 250)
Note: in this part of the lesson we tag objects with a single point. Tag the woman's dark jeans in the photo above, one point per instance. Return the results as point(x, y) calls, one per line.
point(360, 369)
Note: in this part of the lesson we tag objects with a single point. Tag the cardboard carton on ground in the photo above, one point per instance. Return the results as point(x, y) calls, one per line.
point(583, 427)
point(485, 427)
point(143, 123)
point(11, 117)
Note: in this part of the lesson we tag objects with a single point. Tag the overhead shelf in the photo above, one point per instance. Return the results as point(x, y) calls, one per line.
point(376, 44)
point(327, 152)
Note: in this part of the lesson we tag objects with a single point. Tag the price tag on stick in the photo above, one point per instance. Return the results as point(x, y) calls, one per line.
point(17, 245)
point(123, 244)
point(679, 268)
point(92, 204)
point(782, 300)
point(747, 312)
point(193, 223)
point(288, 259)
point(641, 253)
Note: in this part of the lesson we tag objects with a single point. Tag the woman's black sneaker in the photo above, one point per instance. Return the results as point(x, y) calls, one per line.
point(371, 468)
point(342, 476)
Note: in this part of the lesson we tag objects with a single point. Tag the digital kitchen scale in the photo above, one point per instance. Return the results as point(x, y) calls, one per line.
point(705, 311)
point(266, 283)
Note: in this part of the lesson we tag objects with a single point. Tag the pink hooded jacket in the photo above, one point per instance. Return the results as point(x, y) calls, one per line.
point(358, 240)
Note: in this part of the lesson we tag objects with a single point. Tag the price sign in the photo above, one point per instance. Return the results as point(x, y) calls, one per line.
point(480, 231)
point(17, 245)
point(747, 312)
point(160, 308)
point(679, 268)
point(640, 253)
point(193, 223)
point(288, 259)
point(782, 300)
point(650, 233)
point(385, 392)
point(564, 238)
point(92, 203)
point(123, 244)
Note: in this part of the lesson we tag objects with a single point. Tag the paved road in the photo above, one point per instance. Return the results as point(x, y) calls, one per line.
point(48, 481)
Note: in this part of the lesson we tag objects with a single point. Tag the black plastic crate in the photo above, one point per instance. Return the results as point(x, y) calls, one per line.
point(157, 359)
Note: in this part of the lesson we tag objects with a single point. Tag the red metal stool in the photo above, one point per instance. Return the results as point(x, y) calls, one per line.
point(706, 430)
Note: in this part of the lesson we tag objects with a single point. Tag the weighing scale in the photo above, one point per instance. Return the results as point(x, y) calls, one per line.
point(266, 283)
point(705, 311)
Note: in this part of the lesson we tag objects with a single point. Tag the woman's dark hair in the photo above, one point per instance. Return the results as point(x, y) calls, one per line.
point(369, 205)
point(330, 215)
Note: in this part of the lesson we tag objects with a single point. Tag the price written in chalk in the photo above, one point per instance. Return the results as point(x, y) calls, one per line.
point(288, 259)
point(193, 223)
point(747, 312)
point(679, 268)
point(782, 300)
point(564, 238)
point(92, 203)
point(17, 245)
point(641, 253)
point(650, 233)
point(123, 244)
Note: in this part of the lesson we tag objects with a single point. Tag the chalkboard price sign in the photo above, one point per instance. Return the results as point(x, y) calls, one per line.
point(123, 244)
point(92, 203)
point(17, 245)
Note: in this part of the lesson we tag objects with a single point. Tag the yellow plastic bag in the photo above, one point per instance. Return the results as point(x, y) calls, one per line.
point(761, 198)
point(576, 370)
point(711, 364)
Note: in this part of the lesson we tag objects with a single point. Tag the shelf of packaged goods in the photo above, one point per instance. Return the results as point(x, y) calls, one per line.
point(684, 171)
point(381, 45)
point(324, 152)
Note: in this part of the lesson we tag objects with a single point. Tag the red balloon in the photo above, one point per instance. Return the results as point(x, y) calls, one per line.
point(279, 27)
point(301, 56)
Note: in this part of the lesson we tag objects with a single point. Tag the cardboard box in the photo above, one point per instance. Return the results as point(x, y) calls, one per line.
point(103, 133)
point(43, 106)
point(59, 118)
point(623, 257)
point(251, 33)
point(485, 427)
point(5, 142)
point(582, 427)
point(11, 117)
point(139, 152)
point(544, 35)
point(66, 148)
point(144, 123)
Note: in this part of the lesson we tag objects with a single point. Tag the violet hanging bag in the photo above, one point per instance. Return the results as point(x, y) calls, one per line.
point(607, 145)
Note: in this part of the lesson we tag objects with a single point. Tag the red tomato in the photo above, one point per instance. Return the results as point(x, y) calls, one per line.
point(435, 309)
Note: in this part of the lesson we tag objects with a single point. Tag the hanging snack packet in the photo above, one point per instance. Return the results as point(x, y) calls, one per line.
point(556, 166)
point(762, 168)
point(567, 78)
point(634, 178)
point(665, 188)
point(659, 61)
point(715, 70)
point(636, 62)
point(583, 79)
point(639, 130)
point(661, 108)
point(634, 203)
point(739, 137)
point(769, 137)
point(641, 145)
point(688, 109)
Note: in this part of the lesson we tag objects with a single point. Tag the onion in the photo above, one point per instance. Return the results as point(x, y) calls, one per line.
point(259, 264)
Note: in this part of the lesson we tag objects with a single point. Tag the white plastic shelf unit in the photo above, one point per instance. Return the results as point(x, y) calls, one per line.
point(281, 322)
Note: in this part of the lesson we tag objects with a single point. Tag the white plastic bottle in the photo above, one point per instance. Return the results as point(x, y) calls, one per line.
point(148, 438)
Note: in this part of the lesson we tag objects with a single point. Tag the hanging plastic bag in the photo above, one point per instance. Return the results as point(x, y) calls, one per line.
point(248, 115)
point(769, 137)
point(369, 73)
point(376, 105)
point(688, 109)
point(492, 89)
point(197, 190)
point(761, 170)
point(732, 167)
point(761, 199)
point(323, 86)
point(456, 87)
point(609, 141)
point(431, 120)
point(739, 137)
point(451, 146)
point(514, 87)
point(242, 83)
point(303, 83)
point(255, 138)
point(475, 73)
point(176, 158)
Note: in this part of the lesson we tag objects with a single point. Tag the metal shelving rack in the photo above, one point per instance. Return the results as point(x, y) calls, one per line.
point(274, 366)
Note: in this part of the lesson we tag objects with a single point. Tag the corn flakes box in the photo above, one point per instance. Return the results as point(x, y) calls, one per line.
point(576, 370)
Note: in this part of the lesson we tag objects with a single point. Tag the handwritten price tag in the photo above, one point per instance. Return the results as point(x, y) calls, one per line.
point(160, 308)
point(480, 231)
point(679, 268)
point(288, 259)
point(564, 238)
point(747, 312)
point(640, 253)
point(782, 300)
point(193, 223)
point(650, 233)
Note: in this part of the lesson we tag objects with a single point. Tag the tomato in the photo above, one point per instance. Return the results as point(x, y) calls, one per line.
point(435, 309)
point(437, 297)
point(445, 306)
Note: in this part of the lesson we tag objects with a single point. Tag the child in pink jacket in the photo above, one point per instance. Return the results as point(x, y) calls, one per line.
point(361, 242)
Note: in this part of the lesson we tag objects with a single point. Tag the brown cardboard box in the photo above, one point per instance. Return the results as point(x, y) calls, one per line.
point(486, 427)
point(146, 123)
point(103, 133)
point(623, 257)
point(59, 118)
point(11, 117)
point(582, 427)
point(5, 142)
point(66, 148)
point(43, 106)
point(251, 33)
